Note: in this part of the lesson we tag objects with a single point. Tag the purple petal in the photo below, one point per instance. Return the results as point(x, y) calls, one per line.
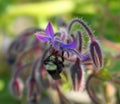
point(84, 57)
point(49, 30)
point(79, 55)
point(71, 45)
point(42, 37)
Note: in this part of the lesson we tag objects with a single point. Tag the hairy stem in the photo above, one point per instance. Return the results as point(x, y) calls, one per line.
point(90, 90)
point(81, 22)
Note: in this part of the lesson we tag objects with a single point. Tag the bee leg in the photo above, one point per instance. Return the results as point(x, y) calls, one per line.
point(62, 56)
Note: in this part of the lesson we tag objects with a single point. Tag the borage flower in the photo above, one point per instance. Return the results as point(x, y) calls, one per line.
point(52, 63)
point(56, 42)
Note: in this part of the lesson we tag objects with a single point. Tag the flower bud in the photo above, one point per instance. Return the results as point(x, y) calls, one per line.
point(33, 90)
point(17, 88)
point(77, 75)
point(30, 86)
point(96, 54)
point(11, 59)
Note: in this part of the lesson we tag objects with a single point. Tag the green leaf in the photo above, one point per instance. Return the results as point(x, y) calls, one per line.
point(104, 74)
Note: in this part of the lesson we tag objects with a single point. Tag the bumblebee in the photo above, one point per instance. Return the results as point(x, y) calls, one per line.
point(54, 66)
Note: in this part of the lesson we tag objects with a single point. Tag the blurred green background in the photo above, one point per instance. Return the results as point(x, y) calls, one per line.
point(16, 15)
